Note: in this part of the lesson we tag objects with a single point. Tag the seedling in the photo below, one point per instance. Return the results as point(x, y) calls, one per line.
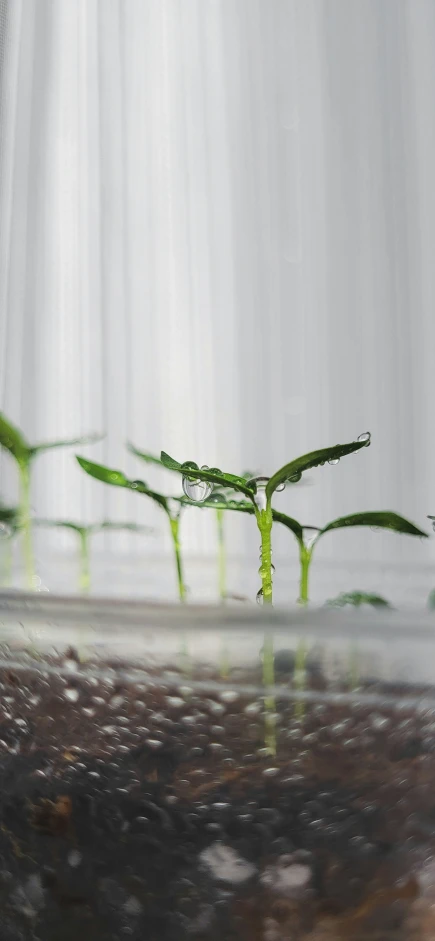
point(358, 598)
point(12, 440)
point(150, 458)
point(198, 483)
point(172, 506)
point(84, 534)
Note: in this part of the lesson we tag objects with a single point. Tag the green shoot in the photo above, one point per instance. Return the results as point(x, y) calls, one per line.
point(172, 506)
point(13, 441)
point(84, 534)
point(198, 486)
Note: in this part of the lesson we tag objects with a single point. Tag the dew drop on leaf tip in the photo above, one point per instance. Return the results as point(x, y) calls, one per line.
point(334, 460)
point(197, 490)
point(366, 436)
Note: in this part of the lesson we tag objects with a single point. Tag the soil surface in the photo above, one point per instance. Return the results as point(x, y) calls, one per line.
point(155, 813)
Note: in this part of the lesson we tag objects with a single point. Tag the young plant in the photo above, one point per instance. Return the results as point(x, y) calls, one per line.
point(172, 506)
point(198, 484)
point(84, 534)
point(13, 441)
point(358, 598)
point(222, 561)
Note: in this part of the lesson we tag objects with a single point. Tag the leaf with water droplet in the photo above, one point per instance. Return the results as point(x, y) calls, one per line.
point(384, 519)
point(9, 516)
point(196, 490)
point(91, 438)
point(231, 481)
point(13, 441)
point(118, 479)
point(313, 459)
point(358, 598)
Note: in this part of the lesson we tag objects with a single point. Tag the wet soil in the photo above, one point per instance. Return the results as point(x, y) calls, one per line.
point(137, 810)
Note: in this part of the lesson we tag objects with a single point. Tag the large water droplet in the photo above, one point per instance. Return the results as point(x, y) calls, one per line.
point(280, 487)
point(309, 535)
point(259, 598)
point(334, 460)
point(295, 478)
point(197, 490)
point(366, 436)
point(136, 484)
point(260, 496)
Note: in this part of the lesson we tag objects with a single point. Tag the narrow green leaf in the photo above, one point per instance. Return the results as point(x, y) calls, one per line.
point(67, 443)
point(118, 479)
point(294, 469)
point(100, 472)
point(59, 524)
point(9, 516)
point(213, 475)
point(13, 441)
point(240, 506)
point(121, 527)
point(384, 519)
point(145, 455)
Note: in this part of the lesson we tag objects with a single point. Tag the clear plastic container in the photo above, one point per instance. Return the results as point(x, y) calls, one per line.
point(170, 772)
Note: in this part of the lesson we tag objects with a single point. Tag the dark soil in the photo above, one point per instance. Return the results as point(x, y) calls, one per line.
point(156, 814)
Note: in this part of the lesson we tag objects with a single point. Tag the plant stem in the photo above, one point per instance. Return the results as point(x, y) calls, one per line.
point(305, 560)
point(26, 525)
point(85, 572)
point(175, 526)
point(264, 522)
point(301, 653)
point(222, 564)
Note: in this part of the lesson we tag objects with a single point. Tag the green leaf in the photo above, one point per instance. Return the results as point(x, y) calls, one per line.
point(100, 472)
point(213, 475)
point(384, 519)
point(67, 443)
point(9, 516)
point(145, 455)
point(357, 598)
point(124, 527)
point(13, 441)
point(240, 506)
point(117, 479)
point(294, 469)
point(59, 524)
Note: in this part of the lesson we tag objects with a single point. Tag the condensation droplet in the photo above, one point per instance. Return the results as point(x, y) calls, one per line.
point(197, 490)
point(366, 436)
point(334, 460)
point(260, 597)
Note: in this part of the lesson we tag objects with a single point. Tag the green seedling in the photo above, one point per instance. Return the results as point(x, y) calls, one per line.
point(172, 506)
point(150, 458)
point(13, 441)
point(198, 485)
point(84, 534)
point(9, 525)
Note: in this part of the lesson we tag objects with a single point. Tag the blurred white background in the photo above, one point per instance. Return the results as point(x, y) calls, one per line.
point(217, 237)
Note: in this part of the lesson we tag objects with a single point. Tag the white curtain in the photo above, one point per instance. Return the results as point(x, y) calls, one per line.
point(217, 237)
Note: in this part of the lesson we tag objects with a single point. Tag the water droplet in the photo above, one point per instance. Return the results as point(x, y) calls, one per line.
point(260, 484)
point(259, 597)
point(334, 460)
point(218, 498)
point(197, 490)
point(295, 478)
point(280, 487)
point(309, 535)
point(366, 436)
point(137, 484)
point(189, 464)
point(433, 521)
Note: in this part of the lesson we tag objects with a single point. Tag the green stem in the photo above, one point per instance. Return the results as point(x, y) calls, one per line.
point(305, 560)
point(301, 653)
point(264, 522)
point(175, 527)
point(26, 525)
point(222, 563)
point(85, 572)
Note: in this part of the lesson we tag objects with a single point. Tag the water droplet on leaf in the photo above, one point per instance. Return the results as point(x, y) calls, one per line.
point(259, 598)
point(366, 436)
point(280, 487)
point(334, 460)
point(309, 535)
point(136, 484)
point(197, 490)
point(295, 478)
